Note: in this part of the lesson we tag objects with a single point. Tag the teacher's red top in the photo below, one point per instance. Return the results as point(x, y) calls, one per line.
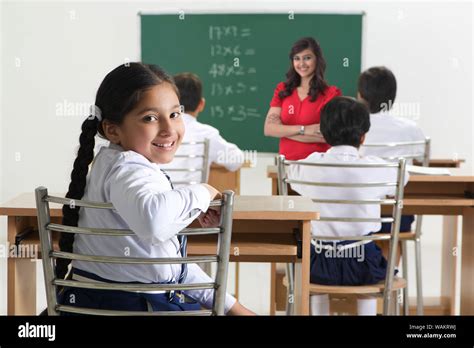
point(301, 112)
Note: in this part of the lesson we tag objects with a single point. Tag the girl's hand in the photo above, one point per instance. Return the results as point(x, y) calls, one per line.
point(238, 309)
point(210, 219)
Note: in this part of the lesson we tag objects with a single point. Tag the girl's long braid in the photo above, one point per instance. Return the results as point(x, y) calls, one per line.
point(85, 155)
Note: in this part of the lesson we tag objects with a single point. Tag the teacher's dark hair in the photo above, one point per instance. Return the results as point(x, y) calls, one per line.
point(120, 91)
point(344, 121)
point(317, 84)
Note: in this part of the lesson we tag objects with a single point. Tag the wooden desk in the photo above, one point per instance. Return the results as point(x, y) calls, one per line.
point(441, 195)
point(443, 163)
point(263, 230)
point(223, 179)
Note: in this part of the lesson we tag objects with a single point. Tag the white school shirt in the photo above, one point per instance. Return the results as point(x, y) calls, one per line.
point(344, 154)
point(386, 128)
point(220, 151)
point(145, 203)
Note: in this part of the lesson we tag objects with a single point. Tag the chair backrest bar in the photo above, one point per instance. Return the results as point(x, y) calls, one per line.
point(423, 155)
point(204, 168)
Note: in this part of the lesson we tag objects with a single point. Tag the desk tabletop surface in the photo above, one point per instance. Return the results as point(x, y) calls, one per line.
point(245, 207)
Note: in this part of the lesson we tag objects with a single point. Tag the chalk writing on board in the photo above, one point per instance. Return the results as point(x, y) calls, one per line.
point(230, 51)
point(227, 47)
point(238, 113)
point(224, 70)
point(222, 89)
point(221, 32)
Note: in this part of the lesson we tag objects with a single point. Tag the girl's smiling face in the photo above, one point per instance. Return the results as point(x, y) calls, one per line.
point(154, 128)
point(304, 63)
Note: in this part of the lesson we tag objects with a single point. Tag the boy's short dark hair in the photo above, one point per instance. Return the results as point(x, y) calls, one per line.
point(190, 89)
point(378, 87)
point(344, 121)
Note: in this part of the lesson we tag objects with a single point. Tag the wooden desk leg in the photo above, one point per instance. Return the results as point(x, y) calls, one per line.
point(449, 263)
point(21, 276)
point(467, 262)
point(273, 288)
point(302, 273)
point(274, 187)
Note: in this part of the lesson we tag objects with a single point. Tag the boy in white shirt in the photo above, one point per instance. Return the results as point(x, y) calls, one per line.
point(377, 88)
point(220, 151)
point(344, 123)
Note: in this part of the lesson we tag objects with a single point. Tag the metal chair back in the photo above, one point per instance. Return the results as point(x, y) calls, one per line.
point(421, 154)
point(184, 171)
point(394, 219)
point(52, 282)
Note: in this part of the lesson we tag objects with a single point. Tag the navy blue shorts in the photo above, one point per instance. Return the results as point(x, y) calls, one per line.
point(122, 300)
point(405, 224)
point(363, 265)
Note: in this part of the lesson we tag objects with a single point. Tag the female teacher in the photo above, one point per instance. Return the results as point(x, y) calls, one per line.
point(296, 105)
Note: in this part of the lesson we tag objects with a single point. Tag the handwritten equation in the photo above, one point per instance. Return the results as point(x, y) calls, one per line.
point(231, 70)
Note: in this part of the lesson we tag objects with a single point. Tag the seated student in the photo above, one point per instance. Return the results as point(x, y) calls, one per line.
point(137, 110)
point(220, 151)
point(377, 88)
point(344, 123)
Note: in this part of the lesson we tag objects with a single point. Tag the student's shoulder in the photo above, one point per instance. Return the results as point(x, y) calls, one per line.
point(207, 129)
point(401, 122)
point(125, 160)
point(372, 159)
point(314, 157)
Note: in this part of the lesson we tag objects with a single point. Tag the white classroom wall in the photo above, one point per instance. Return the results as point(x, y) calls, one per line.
point(58, 52)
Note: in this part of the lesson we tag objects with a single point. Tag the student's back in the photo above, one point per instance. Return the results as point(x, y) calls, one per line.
point(347, 155)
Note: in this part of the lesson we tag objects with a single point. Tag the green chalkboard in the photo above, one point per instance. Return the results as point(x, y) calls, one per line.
point(238, 91)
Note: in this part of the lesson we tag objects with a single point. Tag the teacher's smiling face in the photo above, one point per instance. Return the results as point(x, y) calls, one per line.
point(304, 63)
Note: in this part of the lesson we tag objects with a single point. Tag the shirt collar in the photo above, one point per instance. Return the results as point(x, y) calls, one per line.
point(381, 113)
point(188, 117)
point(120, 148)
point(344, 150)
point(115, 147)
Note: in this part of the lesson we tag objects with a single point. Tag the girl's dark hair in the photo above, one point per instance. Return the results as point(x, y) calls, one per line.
point(118, 94)
point(344, 121)
point(378, 87)
point(317, 84)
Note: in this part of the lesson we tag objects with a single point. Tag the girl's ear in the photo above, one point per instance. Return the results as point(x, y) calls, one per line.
point(111, 131)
